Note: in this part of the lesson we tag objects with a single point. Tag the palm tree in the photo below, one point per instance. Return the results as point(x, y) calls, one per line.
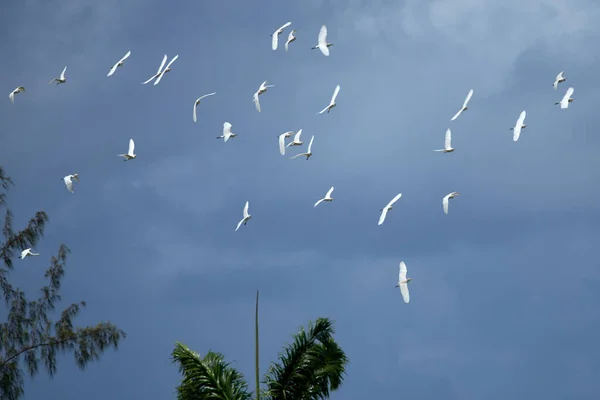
point(307, 369)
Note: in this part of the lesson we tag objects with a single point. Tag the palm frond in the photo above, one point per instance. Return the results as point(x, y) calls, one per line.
point(208, 377)
point(309, 367)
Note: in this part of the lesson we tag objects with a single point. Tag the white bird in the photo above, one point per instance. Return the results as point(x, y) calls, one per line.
point(559, 78)
point(27, 252)
point(564, 103)
point(11, 96)
point(403, 282)
point(446, 200)
point(198, 102)
point(326, 198)
point(162, 64)
point(164, 71)
point(246, 217)
point(332, 102)
point(61, 79)
point(464, 106)
point(227, 132)
point(308, 154)
point(68, 180)
point(296, 141)
point(130, 154)
point(120, 63)
point(447, 142)
point(282, 137)
point(322, 41)
point(275, 35)
point(290, 39)
point(387, 208)
point(518, 126)
point(261, 89)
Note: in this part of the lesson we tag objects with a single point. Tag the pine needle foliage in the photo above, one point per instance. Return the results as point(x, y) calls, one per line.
point(30, 337)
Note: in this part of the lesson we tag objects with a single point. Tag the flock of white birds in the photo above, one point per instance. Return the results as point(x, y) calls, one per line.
point(323, 46)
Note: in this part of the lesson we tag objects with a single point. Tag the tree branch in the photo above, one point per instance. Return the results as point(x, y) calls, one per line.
point(35, 346)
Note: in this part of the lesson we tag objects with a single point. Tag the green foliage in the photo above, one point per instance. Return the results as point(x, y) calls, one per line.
point(309, 368)
point(29, 336)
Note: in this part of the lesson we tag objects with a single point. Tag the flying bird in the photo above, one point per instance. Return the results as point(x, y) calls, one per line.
point(164, 71)
point(120, 63)
point(227, 132)
point(68, 180)
point(447, 142)
point(246, 217)
point(308, 154)
point(290, 39)
point(275, 35)
point(296, 141)
point(162, 64)
point(403, 282)
point(518, 126)
point(60, 79)
point(198, 102)
point(387, 208)
point(464, 106)
point(130, 154)
point(261, 89)
point(27, 252)
point(446, 200)
point(564, 103)
point(559, 78)
point(11, 96)
point(322, 42)
point(332, 102)
point(282, 145)
point(326, 198)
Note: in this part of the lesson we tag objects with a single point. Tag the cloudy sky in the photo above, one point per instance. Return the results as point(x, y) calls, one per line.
point(506, 287)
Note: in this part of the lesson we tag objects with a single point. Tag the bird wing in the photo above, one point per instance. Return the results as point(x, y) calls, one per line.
point(274, 40)
point(125, 57)
point(206, 95)
point(555, 84)
point(246, 215)
point(113, 69)
point(284, 26)
point(395, 199)
point(297, 155)
point(335, 94)
point(131, 147)
point(383, 215)
point(162, 73)
point(569, 92)
point(194, 113)
point(448, 140)
point(310, 144)
point(239, 224)
point(24, 252)
point(11, 96)
point(328, 195)
point(403, 271)
point(324, 50)
point(162, 64)
point(469, 95)
point(256, 101)
point(226, 131)
point(318, 202)
point(521, 118)
point(445, 201)
point(323, 38)
point(68, 183)
point(282, 144)
point(405, 293)
point(62, 74)
point(323, 110)
point(516, 132)
point(149, 79)
point(297, 137)
point(457, 114)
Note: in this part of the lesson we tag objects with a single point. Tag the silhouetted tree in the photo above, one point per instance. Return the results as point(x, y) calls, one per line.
point(307, 369)
point(30, 336)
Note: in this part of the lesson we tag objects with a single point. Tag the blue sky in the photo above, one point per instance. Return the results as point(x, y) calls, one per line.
point(506, 287)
